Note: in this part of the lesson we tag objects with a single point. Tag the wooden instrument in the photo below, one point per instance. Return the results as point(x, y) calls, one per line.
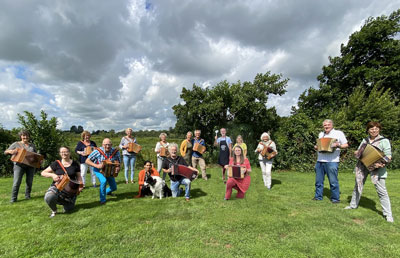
point(185, 171)
point(236, 171)
point(66, 184)
point(325, 144)
point(133, 147)
point(88, 150)
point(64, 180)
point(110, 168)
point(372, 155)
point(164, 152)
point(28, 158)
point(268, 152)
point(199, 148)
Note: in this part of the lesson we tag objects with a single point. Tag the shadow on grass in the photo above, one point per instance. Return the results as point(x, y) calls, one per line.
point(201, 177)
point(327, 193)
point(32, 198)
point(275, 182)
point(366, 203)
point(196, 193)
point(116, 198)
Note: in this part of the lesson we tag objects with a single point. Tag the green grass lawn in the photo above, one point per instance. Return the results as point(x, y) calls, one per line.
point(283, 222)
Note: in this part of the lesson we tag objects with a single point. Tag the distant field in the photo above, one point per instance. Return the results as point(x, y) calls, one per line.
point(283, 222)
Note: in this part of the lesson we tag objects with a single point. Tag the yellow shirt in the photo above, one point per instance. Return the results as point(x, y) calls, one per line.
point(243, 146)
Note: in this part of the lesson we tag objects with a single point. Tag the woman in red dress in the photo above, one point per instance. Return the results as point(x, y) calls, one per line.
point(240, 184)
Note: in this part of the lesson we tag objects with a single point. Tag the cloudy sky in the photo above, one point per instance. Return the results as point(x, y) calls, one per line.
point(117, 64)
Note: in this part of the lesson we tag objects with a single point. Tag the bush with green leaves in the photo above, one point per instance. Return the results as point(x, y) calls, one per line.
point(44, 134)
point(6, 139)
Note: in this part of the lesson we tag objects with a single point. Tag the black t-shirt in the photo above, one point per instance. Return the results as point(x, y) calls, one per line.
point(71, 170)
point(166, 164)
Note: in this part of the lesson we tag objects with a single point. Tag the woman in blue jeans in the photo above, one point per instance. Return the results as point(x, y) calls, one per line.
point(129, 158)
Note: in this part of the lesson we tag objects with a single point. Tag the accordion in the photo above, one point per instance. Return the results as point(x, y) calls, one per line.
point(199, 148)
point(181, 170)
point(28, 158)
point(325, 144)
point(163, 152)
point(110, 168)
point(64, 180)
point(236, 171)
point(67, 185)
point(133, 147)
point(268, 152)
point(88, 150)
point(370, 155)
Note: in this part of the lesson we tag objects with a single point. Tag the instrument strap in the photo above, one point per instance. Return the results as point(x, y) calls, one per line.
point(22, 146)
point(105, 156)
point(270, 142)
point(173, 161)
point(85, 143)
point(65, 171)
point(198, 141)
point(374, 141)
point(130, 140)
point(62, 166)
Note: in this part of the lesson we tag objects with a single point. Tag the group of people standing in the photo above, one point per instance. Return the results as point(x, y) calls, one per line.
point(92, 159)
point(228, 156)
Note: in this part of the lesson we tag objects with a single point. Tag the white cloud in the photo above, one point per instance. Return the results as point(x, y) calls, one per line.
point(118, 64)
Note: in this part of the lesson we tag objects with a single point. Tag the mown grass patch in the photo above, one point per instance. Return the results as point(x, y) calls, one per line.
point(282, 222)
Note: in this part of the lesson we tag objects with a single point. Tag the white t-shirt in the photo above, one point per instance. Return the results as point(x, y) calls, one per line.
point(334, 156)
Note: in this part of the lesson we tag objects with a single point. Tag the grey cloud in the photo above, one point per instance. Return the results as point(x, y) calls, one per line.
point(80, 52)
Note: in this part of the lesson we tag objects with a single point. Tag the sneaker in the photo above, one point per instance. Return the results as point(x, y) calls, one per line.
point(53, 214)
point(389, 219)
point(94, 186)
point(187, 199)
point(27, 197)
point(111, 194)
point(226, 199)
point(102, 203)
point(335, 201)
point(315, 199)
point(348, 208)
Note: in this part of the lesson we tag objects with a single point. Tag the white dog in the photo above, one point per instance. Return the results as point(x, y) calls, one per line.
point(156, 186)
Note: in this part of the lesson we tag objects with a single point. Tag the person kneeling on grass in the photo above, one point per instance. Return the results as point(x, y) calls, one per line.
point(177, 180)
point(56, 171)
point(96, 158)
point(148, 171)
point(240, 184)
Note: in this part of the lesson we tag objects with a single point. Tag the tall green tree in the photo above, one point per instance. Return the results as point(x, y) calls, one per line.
point(370, 58)
point(44, 134)
point(241, 107)
point(362, 107)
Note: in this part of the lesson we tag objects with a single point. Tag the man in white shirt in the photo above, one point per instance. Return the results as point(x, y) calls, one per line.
point(328, 163)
